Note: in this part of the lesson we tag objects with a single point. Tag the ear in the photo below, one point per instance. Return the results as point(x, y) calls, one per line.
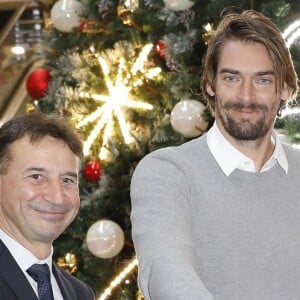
point(285, 93)
point(209, 90)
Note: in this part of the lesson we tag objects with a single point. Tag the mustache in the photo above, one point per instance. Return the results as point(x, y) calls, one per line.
point(251, 106)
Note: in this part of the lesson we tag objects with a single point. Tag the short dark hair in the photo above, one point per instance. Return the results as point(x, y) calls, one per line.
point(249, 26)
point(36, 126)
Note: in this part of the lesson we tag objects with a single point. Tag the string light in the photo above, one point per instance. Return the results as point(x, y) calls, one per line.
point(290, 111)
point(112, 105)
point(291, 33)
point(18, 50)
point(118, 279)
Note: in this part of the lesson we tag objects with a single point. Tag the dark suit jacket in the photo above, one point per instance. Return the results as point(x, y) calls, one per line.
point(15, 286)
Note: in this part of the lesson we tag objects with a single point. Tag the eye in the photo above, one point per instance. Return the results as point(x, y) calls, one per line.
point(265, 81)
point(37, 178)
point(69, 180)
point(230, 78)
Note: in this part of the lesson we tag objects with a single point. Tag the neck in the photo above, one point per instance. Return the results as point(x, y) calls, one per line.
point(259, 150)
point(40, 249)
point(41, 252)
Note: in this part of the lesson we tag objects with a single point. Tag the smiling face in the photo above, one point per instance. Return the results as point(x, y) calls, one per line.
point(39, 194)
point(246, 102)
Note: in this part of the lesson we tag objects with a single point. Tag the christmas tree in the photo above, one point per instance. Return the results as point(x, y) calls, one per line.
point(127, 74)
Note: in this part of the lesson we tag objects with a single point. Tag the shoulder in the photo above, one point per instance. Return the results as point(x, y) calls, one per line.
point(293, 157)
point(67, 280)
point(170, 166)
point(291, 151)
point(183, 154)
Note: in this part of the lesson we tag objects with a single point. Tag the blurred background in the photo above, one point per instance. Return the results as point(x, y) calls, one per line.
point(126, 73)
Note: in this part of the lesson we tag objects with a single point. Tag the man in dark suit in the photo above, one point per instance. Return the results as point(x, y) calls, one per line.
point(39, 197)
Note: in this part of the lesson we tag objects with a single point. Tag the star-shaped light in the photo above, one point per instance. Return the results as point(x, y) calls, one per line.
point(118, 98)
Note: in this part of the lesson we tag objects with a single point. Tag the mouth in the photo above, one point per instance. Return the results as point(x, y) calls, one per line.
point(50, 214)
point(52, 217)
point(246, 110)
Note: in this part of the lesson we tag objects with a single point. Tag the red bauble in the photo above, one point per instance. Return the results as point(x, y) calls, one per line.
point(160, 48)
point(93, 170)
point(83, 25)
point(37, 83)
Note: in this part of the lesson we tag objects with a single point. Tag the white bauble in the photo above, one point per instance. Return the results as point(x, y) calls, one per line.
point(178, 5)
point(187, 119)
point(105, 239)
point(65, 15)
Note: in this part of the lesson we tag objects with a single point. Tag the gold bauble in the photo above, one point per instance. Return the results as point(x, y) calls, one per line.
point(139, 295)
point(209, 31)
point(30, 107)
point(68, 262)
point(125, 10)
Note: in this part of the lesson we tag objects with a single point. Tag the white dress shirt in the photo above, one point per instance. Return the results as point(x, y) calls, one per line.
point(229, 158)
point(25, 259)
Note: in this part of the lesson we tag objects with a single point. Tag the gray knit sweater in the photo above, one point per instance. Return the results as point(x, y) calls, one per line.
point(200, 235)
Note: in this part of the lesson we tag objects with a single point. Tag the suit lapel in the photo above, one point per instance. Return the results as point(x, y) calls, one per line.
point(13, 276)
point(66, 288)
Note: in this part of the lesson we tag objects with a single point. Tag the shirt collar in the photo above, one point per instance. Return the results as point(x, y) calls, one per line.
point(229, 158)
point(23, 256)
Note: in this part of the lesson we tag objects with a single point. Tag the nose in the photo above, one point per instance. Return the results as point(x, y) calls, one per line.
point(54, 192)
point(247, 91)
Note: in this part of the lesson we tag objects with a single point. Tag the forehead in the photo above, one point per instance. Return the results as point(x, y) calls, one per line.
point(43, 142)
point(245, 57)
point(46, 148)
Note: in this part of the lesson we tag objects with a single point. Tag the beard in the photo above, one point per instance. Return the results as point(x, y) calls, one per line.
point(245, 129)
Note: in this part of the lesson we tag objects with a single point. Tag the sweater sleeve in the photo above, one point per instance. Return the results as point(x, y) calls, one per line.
point(162, 230)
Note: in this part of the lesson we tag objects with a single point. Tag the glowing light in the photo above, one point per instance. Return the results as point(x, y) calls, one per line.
point(18, 50)
point(139, 63)
point(291, 33)
point(119, 278)
point(290, 111)
point(112, 105)
point(124, 101)
point(208, 27)
point(153, 73)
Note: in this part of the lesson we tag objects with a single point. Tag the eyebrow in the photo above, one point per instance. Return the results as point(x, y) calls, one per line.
point(72, 174)
point(35, 169)
point(260, 73)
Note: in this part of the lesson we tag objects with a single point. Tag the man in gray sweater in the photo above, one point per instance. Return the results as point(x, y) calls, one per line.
point(219, 217)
